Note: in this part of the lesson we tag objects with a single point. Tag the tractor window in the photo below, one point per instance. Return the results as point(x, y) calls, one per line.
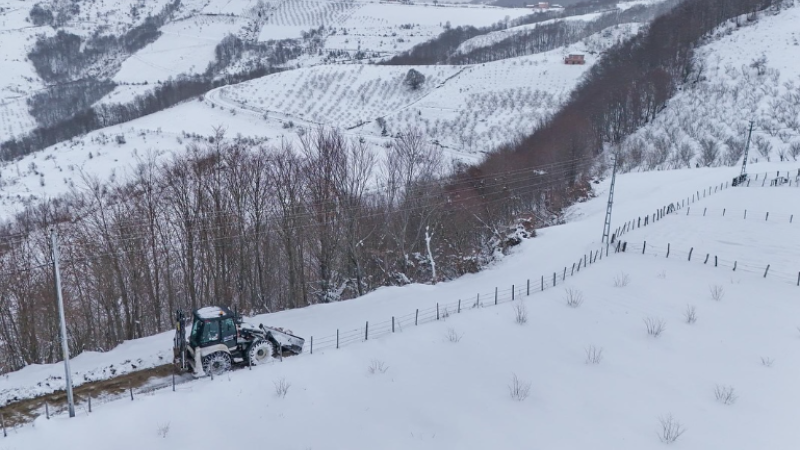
point(228, 330)
point(210, 332)
point(197, 331)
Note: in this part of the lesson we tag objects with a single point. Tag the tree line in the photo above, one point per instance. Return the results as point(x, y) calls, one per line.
point(259, 227)
point(559, 34)
point(440, 49)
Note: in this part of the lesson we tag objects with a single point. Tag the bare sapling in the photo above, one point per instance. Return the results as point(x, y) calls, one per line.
point(377, 366)
point(654, 326)
point(690, 314)
point(520, 314)
point(282, 387)
point(519, 389)
point(453, 336)
point(593, 355)
point(621, 280)
point(574, 297)
point(725, 394)
point(717, 292)
point(671, 429)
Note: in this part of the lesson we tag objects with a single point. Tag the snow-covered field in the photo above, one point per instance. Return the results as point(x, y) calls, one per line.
point(745, 74)
point(436, 393)
point(185, 47)
point(340, 95)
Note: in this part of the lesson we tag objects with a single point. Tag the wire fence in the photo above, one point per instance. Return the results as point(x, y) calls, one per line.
point(698, 256)
point(779, 179)
point(746, 214)
point(441, 310)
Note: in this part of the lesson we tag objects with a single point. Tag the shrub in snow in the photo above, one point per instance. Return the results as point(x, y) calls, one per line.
point(654, 326)
point(281, 387)
point(574, 297)
point(690, 314)
point(377, 366)
point(725, 394)
point(766, 361)
point(621, 279)
point(671, 429)
point(519, 389)
point(717, 292)
point(163, 430)
point(593, 355)
point(520, 314)
point(453, 336)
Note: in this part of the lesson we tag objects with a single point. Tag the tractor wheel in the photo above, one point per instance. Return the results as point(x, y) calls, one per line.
point(216, 363)
point(260, 352)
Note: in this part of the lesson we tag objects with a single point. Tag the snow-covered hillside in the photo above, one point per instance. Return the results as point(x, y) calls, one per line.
point(746, 72)
point(446, 385)
point(185, 47)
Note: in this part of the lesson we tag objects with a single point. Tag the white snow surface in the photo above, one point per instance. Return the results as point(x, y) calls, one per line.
point(440, 394)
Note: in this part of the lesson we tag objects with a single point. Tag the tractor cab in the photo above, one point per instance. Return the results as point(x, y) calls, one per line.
point(213, 325)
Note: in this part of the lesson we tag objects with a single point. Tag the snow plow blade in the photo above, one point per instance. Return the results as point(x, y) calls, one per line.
point(286, 340)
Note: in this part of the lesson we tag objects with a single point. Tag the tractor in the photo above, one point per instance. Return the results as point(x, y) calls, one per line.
point(220, 339)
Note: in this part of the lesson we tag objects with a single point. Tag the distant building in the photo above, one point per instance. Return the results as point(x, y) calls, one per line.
point(574, 59)
point(544, 5)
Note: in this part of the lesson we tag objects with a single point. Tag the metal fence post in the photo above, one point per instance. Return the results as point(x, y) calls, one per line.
point(337, 338)
point(366, 331)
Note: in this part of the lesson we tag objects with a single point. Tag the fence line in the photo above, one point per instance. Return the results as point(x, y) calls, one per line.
point(710, 259)
point(441, 311)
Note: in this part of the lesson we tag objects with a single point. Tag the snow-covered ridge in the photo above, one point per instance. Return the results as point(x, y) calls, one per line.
point(743, 73)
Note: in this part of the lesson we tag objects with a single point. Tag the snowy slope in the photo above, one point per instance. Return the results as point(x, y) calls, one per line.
point(185, 47)
point(442, 394)
point(745, 74)
point(498, 101)
point(494, 102)
point(342, 96)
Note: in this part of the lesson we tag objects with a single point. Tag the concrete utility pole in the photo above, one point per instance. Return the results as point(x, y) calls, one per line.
point(607, 225)
point(746, 151)
point(63, 323)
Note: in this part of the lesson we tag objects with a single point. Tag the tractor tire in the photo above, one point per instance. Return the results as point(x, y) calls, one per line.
point(216, 363)
point(260, 352)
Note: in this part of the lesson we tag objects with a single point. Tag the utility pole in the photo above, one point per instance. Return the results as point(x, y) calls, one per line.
point(62, 322)
point(746, 150)
point(607, 225)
